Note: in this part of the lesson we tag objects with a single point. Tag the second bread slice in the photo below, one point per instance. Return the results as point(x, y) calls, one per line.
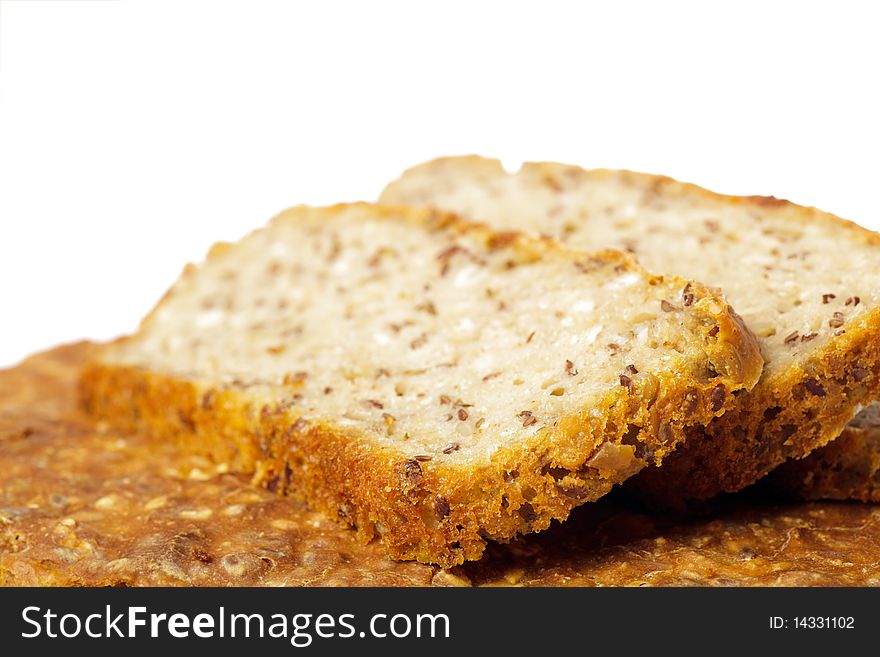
point(806, 282)
point(426, 380)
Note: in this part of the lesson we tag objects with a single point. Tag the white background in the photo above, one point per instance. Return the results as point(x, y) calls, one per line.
point(135, 133)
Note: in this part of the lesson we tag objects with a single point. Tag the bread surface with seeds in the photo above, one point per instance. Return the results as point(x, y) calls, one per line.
point(817, 317)
point(424, 379)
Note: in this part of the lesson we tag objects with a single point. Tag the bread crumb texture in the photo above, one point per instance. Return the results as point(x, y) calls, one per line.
point(807, 283)
point(424, 379)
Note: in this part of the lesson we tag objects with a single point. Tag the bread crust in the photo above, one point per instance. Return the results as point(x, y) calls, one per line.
point(848, 468)
point(773, 423)
point(745, 444)
point(438, 513)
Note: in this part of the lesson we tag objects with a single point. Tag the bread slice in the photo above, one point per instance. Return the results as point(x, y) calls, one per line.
point(816, 313)
point(848, 468)
point(425, 379)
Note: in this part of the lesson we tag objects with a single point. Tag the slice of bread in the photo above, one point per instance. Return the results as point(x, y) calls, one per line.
point(425, 379)
point(806, 282)
point(848, 468)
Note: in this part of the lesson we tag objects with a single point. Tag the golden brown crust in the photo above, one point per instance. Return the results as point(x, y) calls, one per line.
point(432, 512)
point(780, 418)
point(82, 505)
point(805, 409)
point(848, 468)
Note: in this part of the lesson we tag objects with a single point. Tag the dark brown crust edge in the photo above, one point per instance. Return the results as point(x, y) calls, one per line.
point(848, 468)
point(431, 513)
point(744, 445)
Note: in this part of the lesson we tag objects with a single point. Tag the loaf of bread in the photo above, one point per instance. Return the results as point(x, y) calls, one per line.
point(82, 504)
point(806, 282)
point(425, 379)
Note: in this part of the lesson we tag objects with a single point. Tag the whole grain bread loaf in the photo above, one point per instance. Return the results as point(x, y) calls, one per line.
point(816, 312)
point(425, 379)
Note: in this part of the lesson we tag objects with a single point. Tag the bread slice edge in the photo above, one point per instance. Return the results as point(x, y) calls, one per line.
point(421, 510)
